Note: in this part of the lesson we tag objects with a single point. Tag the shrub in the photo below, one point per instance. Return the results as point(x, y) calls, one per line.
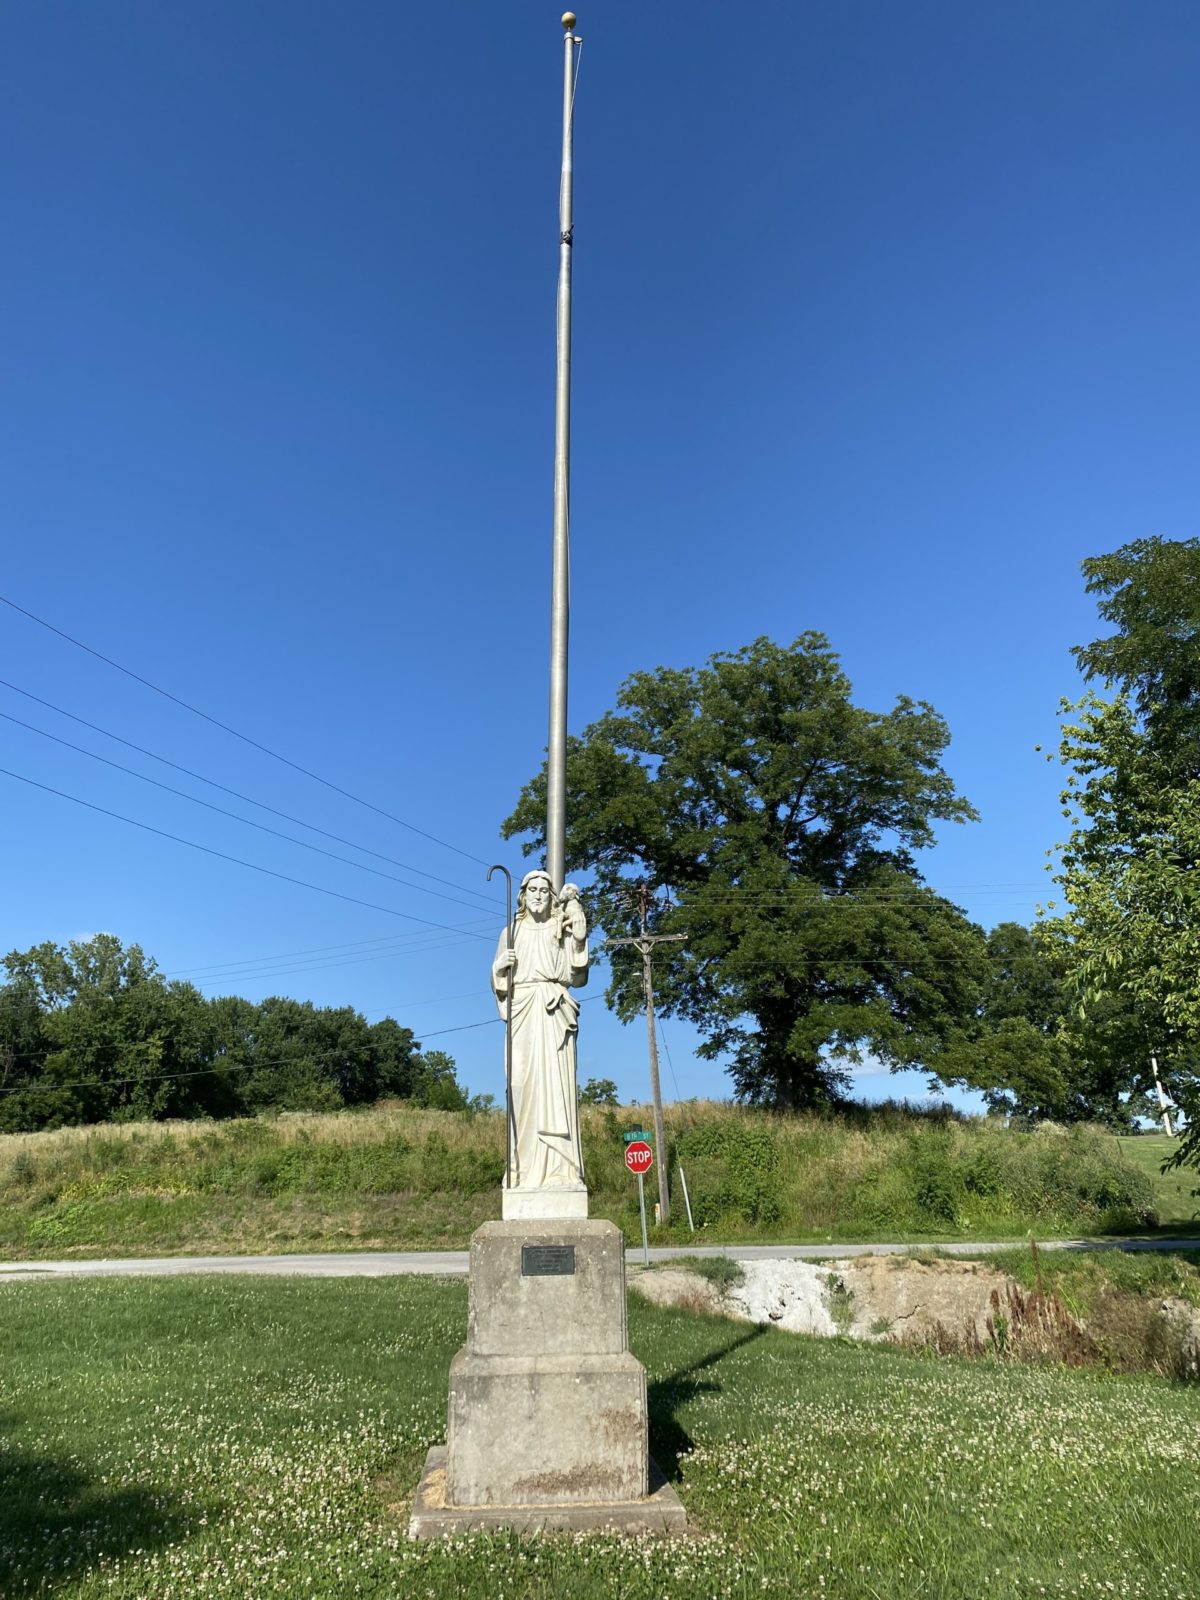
point(466, 1169)
point(734, 1172)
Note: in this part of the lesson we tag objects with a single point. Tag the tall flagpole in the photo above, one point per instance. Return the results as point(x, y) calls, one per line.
point(560, 597)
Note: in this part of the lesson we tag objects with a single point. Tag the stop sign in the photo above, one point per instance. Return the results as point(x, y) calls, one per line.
point(639, 1157)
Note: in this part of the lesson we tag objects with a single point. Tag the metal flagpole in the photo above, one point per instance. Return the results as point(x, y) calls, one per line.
point(556, 763)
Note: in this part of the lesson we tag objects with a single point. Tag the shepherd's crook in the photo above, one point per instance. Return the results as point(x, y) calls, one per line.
point(510, 1122)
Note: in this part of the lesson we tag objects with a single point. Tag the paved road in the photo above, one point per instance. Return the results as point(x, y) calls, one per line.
point(453, 1263)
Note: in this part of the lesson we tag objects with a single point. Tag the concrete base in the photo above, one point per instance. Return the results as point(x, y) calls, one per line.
point(547, 1406)
point(660, 1511)
point(547, 1430)
point(548, 1422)
point(544, 1205)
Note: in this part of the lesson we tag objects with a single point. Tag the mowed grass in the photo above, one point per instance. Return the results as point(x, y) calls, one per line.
point(217, 1437)
point(1175, 1193)
point(1081, 1278)
point(395, 1177)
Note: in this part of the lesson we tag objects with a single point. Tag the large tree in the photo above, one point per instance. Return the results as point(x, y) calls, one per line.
point(1034, 1051)
point(1129, 866)
point(1128, 874)
point(785, 821)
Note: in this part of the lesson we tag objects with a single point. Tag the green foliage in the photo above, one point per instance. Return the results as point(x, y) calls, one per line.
point(940, 1183)
point(785, 819)
point(434, 1083)
point(839, 1302)
point(1151, 592)
point(1031, 1052)
point(1132, 797)
point(723, 1272)
point(1081, 1277)
point(598, 1092)
point(92, 1032)
point(734, 1168)
point(463, 1168)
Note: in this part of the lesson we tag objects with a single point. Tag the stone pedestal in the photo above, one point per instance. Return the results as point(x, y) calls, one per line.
point(544, 1205)
point(548, 1417)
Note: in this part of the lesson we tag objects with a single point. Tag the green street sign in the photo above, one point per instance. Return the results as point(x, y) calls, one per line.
point(639, 1133)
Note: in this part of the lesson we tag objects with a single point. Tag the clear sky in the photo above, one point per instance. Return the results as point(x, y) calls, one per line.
point(886, 316)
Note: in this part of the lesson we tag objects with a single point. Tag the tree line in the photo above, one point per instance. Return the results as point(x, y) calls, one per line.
point(93, 1032)
point(782, 824)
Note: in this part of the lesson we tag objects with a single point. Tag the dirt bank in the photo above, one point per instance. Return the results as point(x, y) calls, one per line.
point(965, 1307)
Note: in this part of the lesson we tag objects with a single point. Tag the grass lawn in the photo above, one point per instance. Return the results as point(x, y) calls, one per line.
point(1173, 1191)
point(220, 1437)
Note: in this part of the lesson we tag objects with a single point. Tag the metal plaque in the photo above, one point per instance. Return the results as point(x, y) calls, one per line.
point(547, 1260)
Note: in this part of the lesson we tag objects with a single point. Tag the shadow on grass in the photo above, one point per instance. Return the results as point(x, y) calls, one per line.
point(669, 1439)
point(58, 1522)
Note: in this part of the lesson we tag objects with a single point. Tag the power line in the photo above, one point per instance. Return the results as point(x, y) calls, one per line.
point(398, 940)
point(247, 822)
point(300, 968)
point(234, 732)
point(221, 855)
point(662, 1034)
point(221, 1066)
point(919, 892)
point(466, 1027)
point(237, 795)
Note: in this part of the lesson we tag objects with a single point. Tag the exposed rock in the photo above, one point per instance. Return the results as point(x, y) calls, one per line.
point(789, 1294)
point(954, 1307)
point(674, 1286)
point(895, 1298)
point(1183, 1329)
point(946, 1303)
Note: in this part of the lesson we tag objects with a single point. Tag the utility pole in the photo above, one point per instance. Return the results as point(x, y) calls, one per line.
point(560, 584)
point(645, 942)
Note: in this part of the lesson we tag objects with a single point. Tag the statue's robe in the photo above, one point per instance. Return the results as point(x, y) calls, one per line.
point(545, 1015)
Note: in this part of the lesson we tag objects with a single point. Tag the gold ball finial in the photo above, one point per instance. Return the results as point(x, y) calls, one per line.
point(568, 20)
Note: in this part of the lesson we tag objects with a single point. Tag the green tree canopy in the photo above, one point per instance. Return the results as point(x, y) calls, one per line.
point(1128, 873)
point(785, 820)
point(1035, 1052)
point(598, 1092)
point(1128, 868)
point(92, 1031)
point(115, 1039)
point(1151, 591)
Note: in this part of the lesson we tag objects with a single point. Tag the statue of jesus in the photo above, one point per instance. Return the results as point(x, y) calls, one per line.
point(548, 958)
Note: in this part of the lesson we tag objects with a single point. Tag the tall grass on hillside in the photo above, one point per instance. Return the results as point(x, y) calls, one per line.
point(393, 1176)
point(891, 1171)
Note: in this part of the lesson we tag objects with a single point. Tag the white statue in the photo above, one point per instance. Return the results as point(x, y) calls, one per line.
point(549, 957)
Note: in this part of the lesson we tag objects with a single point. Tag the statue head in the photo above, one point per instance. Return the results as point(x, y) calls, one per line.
point(536, 897)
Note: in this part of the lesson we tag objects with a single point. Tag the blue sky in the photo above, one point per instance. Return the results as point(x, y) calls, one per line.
point(885, 319)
